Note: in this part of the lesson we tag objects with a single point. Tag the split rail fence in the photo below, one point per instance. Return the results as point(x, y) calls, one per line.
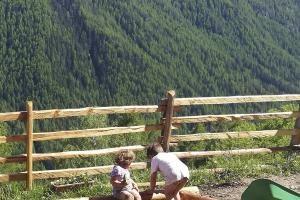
point(167, 107)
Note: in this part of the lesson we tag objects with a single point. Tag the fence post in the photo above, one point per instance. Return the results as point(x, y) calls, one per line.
point(296, 138)
point(29, 144)
point(168, 120)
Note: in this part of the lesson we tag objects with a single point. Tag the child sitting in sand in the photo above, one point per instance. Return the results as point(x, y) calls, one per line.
point(124, 188)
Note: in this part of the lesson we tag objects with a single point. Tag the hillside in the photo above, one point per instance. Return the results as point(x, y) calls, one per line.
point(63, 53)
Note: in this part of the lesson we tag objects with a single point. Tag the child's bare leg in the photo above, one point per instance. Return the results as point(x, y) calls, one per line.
point(172, 190)
point(136, 194)
point(173, 197)
point(125, 195)
point(177, 196)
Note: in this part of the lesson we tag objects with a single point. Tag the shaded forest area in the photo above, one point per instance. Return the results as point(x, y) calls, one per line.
point(95, 53)
point(70, 54)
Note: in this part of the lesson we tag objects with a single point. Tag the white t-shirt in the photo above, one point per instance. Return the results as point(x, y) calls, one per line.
point(169, 166)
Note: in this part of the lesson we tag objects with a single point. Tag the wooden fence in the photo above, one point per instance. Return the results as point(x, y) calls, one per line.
point(167, 107)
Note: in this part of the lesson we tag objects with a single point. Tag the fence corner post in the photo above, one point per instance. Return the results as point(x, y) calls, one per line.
point(29, 144)
point(168, 114)
point(296, 137)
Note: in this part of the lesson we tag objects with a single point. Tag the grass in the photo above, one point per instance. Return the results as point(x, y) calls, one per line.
point(234, 169)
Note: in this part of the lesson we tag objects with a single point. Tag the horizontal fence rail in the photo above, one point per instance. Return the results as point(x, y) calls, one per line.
point(98, 132)
point(57, 113)
point(234, 117)
point(202, 154)
point(13, 138)
point(13, 116)
point(232, 135)
point(235, 99)
point(77, 112)
point(168, 122)
point(49, 174)
point(94, 132)
point(69, 154)
point(79, 171)
point(82, 133)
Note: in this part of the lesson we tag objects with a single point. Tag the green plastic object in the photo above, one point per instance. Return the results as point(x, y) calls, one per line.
point(265, 189)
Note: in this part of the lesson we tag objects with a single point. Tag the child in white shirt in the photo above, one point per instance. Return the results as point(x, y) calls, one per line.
point(175, 172)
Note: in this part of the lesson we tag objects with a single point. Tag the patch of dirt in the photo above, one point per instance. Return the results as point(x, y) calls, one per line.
point(233, 191)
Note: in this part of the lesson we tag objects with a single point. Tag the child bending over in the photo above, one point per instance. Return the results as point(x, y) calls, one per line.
point(175, 172)
point(124, 188)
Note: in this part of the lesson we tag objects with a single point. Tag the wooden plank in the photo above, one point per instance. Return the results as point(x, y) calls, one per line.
point(69, 154)
point(168, 120)
point(296, 137)
point(79, 171)
point(59, 113)
point(13, 177)
point(94, 132)
point(13, 159)
point(88, 133)
point(200, 154)
point(147, 184)
point(12, 116)
point(81, 154)
point(29, 144)
point(234, 117)
point(13, 138)
point(230, 135)
point(295, 140)
point(235, 99)
point(85, 154)
point(158, 195)
point(65, 172)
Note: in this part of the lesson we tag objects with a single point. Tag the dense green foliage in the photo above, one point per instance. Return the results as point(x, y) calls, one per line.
point(79, 53)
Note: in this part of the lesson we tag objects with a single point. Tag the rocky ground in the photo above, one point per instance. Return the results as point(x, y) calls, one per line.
point(233, 191)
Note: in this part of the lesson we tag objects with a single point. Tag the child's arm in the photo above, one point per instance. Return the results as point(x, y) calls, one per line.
point(116, 183)
point(153, 181)
point(135, 186)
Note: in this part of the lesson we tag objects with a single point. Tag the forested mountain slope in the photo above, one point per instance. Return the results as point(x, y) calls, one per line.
point(76, 53)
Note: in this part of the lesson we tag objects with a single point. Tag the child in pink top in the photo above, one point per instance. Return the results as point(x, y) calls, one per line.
point(124, 188)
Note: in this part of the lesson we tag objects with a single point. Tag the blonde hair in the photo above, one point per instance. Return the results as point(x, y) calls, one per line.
point(125, 157)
